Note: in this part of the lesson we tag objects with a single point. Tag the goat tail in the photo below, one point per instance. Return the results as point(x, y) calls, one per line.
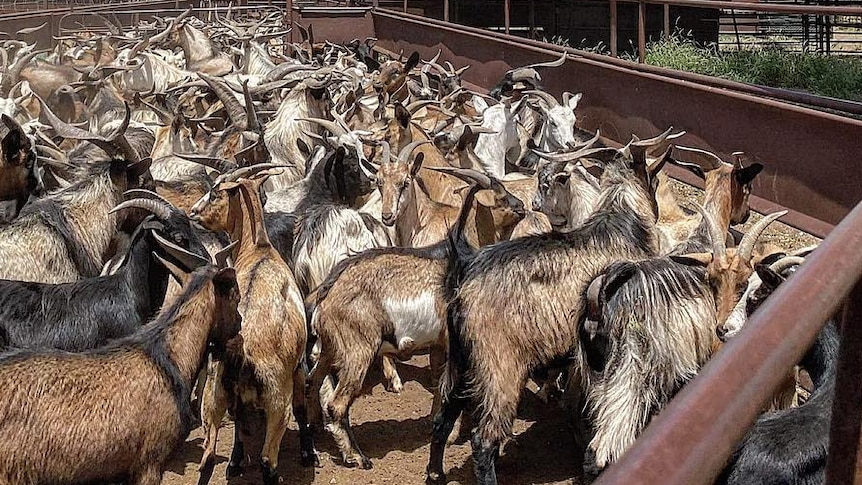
point(460, 251)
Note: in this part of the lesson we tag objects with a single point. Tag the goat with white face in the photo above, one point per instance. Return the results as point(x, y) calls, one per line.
point(501, 142)
point(558, 120)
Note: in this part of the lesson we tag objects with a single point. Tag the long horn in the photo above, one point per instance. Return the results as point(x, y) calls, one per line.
point(116, 144)
point(331, 126)
point(786, 262)
point(235, 110)
point(405, 152)
point(248, 172)
point(220, 165)
point(191, 260)
point(163, 34)
point(716, 235)
point(654, 140)
point(14, 72)
point(417, 105)
point(220, 259)
point(467, 175)
point(150, 205)
point(746, 246)
point(138, 48)
point(705, 160)
point(569, 156)
point(30, 30)
point(282, 70)
point(559, 62)
point(550, 100)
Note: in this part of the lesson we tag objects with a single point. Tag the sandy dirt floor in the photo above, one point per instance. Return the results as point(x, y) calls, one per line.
point(394, 431)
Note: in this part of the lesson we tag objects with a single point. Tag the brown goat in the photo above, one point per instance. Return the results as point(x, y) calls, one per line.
point(267, 371)
point(727, 189)
point(116, 413)
point(16, 163)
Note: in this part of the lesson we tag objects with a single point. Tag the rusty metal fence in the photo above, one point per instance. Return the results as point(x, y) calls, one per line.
point(812, 168)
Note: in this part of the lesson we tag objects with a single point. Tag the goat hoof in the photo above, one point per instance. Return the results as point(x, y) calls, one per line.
point(395, 386)
point(309, 460)
point(270, 475)
point(365, 463)
point(435, 478)
point(234, 470)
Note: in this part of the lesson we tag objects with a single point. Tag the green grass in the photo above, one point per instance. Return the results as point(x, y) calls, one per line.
point(836, 77)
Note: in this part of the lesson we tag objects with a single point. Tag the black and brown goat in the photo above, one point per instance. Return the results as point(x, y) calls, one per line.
point(515, 305)
point(115, 413)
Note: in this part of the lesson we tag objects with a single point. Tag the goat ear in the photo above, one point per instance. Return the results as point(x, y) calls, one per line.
point(138, 169)
point(229, 186)
point(303, 148)
point(181, 276)
point(412, 62)
point(402, 115)
point(746, 175)
point(693, 259)
point(417, 163)
point(771, 258)
point(574, 100)
point(769, 276)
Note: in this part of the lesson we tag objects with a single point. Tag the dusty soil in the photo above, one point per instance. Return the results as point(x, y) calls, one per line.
point(394, 431)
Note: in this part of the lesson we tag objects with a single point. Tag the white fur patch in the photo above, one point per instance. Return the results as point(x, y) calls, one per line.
point(416, 322)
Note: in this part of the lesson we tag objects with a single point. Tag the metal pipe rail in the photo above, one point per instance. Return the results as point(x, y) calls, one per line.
point(688, 442)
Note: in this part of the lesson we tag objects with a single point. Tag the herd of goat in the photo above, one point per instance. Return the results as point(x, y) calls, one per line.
point(197, 226)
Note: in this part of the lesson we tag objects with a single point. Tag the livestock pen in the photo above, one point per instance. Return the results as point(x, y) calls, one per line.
point(811, 159)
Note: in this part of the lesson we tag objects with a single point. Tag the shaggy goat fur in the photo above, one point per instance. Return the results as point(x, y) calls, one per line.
point(115, 413)
point(517, 305)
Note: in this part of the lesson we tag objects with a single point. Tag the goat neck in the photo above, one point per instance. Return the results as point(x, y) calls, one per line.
point(201, 54)
point(246, 223)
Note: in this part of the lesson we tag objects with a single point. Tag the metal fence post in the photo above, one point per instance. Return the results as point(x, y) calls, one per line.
point(613, 40)
point(666, 8)
point(506, 18)
point(641, 32)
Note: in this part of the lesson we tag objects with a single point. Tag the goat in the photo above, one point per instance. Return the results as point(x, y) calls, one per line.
point(87, 313)
point(17, 162)
point(790, 446)
point(267, 369)
point(654, 327)
point(726, 191)
point(115, 413)
point(388, 301)
point(513, 305)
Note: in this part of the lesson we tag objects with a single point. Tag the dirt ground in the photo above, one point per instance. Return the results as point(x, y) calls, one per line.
point(394, 431)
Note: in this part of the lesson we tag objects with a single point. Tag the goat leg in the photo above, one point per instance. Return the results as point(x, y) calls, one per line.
point(392, 380)
point(443, 424)
point(308, 455)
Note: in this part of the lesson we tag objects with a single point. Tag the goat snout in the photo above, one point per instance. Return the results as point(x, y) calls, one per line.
point(388, 218)
point(721, 333)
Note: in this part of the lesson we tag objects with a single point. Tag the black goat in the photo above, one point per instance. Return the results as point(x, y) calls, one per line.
point(87, 313)
point(789, 447)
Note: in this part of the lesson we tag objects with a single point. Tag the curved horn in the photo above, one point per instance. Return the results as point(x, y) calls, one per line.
point(467, 175)
point(14, 72)
point(569, 156)
point(331, 126)
point(559, 62)
point(652, 141)
point(786, 262)
point(405, 152)
point(253, 121)
point(30, 30)
point(235, 110)
point(220, 259)
point(705, 160)
point(154, 206)
point(746, 246)
point(417, 105)
point(248, 172)
point(716, 235)
point(546, 97)
point(140, 46)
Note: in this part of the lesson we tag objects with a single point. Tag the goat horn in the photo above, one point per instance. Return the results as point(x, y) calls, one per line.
point(248, 172)
point(436, 57)
point(574, 155)
point(149, 194)
point(652, 141)
point(30, 30)
point(387, 152)
point(746, 246)
point(331, 126)
point(466, 174)
point(14, 72)
point(220, 165)
point(545, 96)
point(716, 235)
point(191, 260)
point(559, 62)
point(235, 110)
point(786, 262)
point(140, 46)
point(705, 160)
point(804, 252)
point(51, 152)
point(405, 152)
point(117, 144)
point(150, 205)
point(592, 141)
